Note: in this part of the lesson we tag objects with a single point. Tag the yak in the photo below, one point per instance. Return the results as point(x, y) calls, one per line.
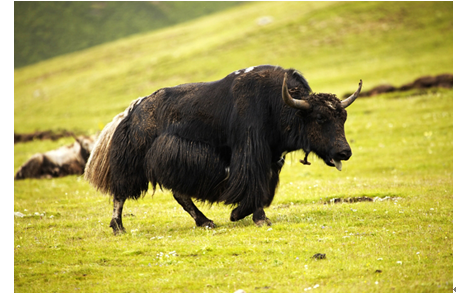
point(218, 142)
point(63, 161)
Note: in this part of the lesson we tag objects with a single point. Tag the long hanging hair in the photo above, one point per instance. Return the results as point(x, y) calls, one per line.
point(97, 170)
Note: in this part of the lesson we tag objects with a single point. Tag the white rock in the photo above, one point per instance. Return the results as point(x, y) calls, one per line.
point(264, 20)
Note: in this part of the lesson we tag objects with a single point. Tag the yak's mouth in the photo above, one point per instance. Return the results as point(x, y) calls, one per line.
point(335, 163)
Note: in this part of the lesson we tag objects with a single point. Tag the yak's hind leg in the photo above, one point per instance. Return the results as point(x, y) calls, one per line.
point(116, 221)
point(200, 219)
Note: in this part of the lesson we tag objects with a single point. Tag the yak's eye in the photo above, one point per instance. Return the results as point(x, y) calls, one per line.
point(320, 119)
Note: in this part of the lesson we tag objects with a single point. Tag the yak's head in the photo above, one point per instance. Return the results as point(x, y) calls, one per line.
point(86, 145)
point(324, 117)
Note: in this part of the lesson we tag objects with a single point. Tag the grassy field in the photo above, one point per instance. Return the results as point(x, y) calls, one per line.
point(46, 29)
point(402, 157)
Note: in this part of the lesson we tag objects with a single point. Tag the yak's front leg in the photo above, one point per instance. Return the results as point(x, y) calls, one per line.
point(200, 219)
point(249, 182)
point(116, 221)
point(259, 217)
point(240, 212)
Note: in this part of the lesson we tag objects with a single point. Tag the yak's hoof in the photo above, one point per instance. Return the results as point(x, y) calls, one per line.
point(207, 224)
point(116, 227)
point(262, 222)
point(237, 214)
point(234, 218)
point(118, 232)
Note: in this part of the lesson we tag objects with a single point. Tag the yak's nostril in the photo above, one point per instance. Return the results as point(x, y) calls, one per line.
point(344, 154)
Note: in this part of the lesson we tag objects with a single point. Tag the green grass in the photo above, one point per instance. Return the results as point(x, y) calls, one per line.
point(402, 148)
point(46, 29)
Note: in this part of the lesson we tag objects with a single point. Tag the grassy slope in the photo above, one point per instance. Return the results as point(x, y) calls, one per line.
point(333, 44)
point(45, 29)
point(402, 147)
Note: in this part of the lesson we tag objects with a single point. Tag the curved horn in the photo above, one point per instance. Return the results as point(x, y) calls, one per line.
point(294, 103)
point(348, 101)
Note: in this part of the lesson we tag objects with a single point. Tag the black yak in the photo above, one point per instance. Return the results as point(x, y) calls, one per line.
point(66, 160)
point(222, 141)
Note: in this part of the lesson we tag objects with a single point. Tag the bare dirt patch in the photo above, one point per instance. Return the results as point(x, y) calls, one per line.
point(360, 199)
point(421, 83)
point(42, 135)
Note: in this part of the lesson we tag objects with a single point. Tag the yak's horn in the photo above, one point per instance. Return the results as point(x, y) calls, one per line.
point(348, 101)
point(294, 103)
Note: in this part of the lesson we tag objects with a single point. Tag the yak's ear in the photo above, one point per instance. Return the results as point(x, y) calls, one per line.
point(304, 114)
point(290, 101)
point(75, 138)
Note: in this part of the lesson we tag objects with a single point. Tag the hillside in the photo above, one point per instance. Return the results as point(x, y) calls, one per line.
point(45, 29)
point(334, 44)
point(384, 224)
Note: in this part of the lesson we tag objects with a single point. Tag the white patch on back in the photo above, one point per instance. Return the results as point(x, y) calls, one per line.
point(249, 69)
point(138, 101)
point(244, 70)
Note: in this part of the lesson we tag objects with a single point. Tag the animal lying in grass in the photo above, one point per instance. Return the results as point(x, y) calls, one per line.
point(66, 160)
point(219, 142)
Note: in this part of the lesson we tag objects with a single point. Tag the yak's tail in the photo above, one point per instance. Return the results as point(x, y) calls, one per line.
point(98, 170)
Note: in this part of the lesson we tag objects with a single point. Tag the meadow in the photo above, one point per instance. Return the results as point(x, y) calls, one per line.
point(40, 33)
point(396, 237)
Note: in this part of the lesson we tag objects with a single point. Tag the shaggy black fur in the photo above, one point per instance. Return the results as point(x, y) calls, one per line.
point(222, 141)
